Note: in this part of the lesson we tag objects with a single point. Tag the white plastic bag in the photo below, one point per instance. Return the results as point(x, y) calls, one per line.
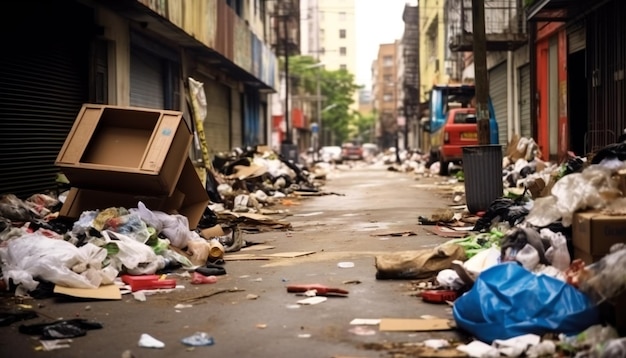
point(449, 279)
point(132, 255)
point(557, 253)
point(173, 227)
point(36, 256)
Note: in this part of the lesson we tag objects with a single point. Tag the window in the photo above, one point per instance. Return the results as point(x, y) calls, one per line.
point(343, 51)
point(387, 61)
point(342, 34)
point(387, 79)
point(387, 97)
point(343, 67)
point(342, 16)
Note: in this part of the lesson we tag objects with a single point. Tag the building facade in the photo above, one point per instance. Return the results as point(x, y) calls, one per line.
point(128, 53)
point(385, 94)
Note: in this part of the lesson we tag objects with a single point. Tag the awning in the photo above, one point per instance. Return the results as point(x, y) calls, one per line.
point(146, 18)
point(560, 10)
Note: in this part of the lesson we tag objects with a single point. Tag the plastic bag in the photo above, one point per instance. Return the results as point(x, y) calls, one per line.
point(36, 256)
point(557, 253)
point(174, 227)
point(589, 189)
point(132, 256)
point(508, 301)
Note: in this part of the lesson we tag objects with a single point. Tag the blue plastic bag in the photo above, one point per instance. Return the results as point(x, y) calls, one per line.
point(507, 301)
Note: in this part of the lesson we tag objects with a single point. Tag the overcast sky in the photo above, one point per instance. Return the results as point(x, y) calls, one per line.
point(377, 22)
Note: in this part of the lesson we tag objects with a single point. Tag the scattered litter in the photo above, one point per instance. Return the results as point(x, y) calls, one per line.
point(479, 349)
point(436, 343)
point(310, 214)
point(397, 234)
point(345, 264)
point(181, 306)
point(352, 282)
point(139, 296)
point(147, 341)
point(362, 331)
point(251, 296)
point(70, 328)
point(365, 322)
point(304, 335)
point(199, 279)
point(313, 300)
point(54, 344)
point(292, 306)
point(414, 325)
point(198, 339)
point(261, 325)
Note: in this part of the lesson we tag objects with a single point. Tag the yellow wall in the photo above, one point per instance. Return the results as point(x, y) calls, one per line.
point(431, 27)
point(116, 32)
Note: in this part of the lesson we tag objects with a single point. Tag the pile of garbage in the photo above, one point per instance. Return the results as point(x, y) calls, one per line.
point(541, 272)
point(247, 180)
point(37, 245)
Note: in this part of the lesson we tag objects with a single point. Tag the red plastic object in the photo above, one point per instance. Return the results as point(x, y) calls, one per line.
point(198, 279)
point(322, 290)
point(439, 296)
point(147, 282)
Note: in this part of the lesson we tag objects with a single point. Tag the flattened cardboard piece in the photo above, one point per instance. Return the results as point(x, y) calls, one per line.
point(105, 292)
point(397, 234)
point(414, 325)
point(247, 171)
point(245, 257)
point(125, 149)
point(446, 232)
point(215, 231)
point(289, 255)
point(258, 247)
point(282, 255)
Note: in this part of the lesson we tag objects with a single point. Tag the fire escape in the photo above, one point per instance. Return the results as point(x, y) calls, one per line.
point(285, 41)
point(505, 25)
point(410, 40)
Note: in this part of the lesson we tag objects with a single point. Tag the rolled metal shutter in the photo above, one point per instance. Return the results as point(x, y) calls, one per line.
point(524, 102)
point(498, 91)
point(576, 37)
point(216, 125)
point(236, 119)
point(42, 89)
point(146, 80)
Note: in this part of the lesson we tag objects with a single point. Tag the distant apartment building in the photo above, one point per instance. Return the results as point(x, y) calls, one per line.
point(385, 93)
point(328, 34)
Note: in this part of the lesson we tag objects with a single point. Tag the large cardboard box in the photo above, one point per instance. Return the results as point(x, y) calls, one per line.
point(189, 199)
point(594, 233)
point(125, 149)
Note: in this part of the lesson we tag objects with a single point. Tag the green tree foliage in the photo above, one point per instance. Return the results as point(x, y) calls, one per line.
point(337, 87)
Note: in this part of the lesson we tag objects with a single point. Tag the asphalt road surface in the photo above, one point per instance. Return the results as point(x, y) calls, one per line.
point(249, 312)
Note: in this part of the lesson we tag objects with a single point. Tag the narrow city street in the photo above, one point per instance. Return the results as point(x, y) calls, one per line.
point(249, 312)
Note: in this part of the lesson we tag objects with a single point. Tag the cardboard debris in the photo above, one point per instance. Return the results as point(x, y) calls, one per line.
point(215, 231)
point(397, 234)
point(105, 292)
point(414, 325)
point(247, 172)
point(284, 255)
point(126, 149)
point(258, 247)
point(446, 231)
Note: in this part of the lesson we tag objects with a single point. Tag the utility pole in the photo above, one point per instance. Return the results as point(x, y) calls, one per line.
point(287, 140)
point(480, 70)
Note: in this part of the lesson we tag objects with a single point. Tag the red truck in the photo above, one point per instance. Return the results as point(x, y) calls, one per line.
point(459, 130)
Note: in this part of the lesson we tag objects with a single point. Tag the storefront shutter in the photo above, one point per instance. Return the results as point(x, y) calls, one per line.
point(43, 84)
point(146, 80)
point(498, 91)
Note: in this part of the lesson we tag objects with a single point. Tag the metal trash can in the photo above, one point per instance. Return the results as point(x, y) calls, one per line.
point(289, 152)
point(482, 168)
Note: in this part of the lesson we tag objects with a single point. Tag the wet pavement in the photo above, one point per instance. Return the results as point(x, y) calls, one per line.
point(249, 312)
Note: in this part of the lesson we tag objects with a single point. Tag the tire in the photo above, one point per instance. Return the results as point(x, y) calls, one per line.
point(444, 168)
